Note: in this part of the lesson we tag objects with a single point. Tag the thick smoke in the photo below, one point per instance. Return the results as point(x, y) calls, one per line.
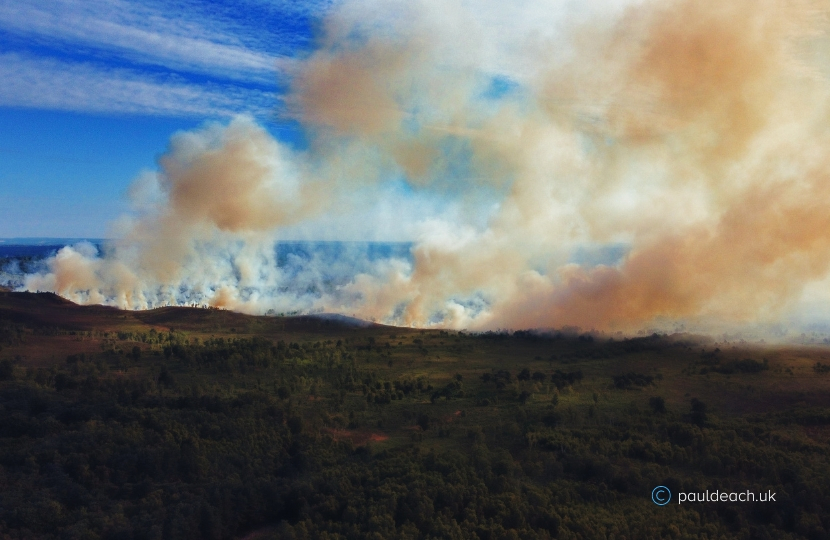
point(693, 133)
point(204, 227)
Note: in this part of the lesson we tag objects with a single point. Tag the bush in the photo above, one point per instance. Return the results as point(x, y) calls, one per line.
point(741, 366)
point(630, 379)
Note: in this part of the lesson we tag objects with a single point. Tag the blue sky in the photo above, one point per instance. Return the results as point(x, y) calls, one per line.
point(93, 89)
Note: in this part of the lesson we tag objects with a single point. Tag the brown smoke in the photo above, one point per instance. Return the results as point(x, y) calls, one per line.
point(720, 80)
point(350, 93)
point(699, 100)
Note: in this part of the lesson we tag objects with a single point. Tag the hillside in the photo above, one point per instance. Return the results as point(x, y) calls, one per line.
point(197, 423)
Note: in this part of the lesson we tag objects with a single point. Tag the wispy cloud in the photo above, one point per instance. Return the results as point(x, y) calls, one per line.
point(77, 86)
point(143, 34)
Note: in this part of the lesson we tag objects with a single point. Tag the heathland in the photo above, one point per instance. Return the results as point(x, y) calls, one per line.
point(203, 423)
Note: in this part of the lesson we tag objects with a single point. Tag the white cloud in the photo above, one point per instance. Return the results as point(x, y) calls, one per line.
point(53, 84)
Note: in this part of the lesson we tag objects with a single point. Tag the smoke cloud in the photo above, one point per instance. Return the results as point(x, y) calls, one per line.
point(505, 141)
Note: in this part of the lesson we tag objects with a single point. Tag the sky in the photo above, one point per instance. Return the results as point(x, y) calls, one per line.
point(93, 90)
point(611, 165)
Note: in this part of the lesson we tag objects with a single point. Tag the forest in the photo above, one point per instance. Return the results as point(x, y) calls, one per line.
point(201, 423)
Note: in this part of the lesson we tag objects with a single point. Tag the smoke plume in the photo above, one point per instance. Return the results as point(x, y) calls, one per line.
point(506, 140)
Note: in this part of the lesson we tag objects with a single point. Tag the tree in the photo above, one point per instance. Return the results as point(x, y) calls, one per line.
point(6, 370)
point(698, 414)
point(658, 404)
